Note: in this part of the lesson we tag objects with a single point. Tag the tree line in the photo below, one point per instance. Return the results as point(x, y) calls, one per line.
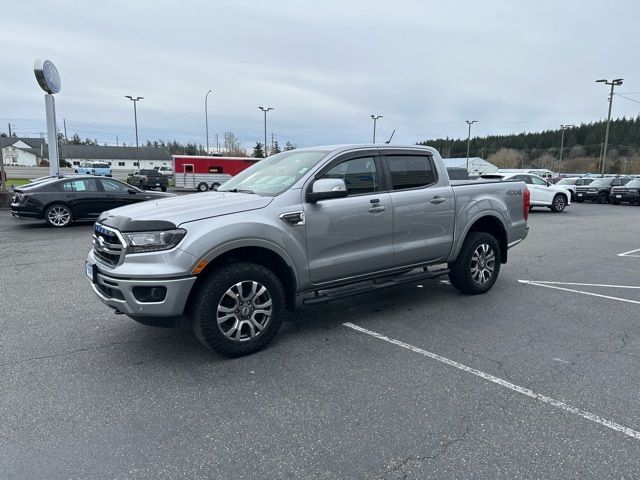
point(582, 149)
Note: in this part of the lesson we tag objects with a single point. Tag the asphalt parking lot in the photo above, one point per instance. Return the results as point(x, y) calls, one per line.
point(532, 380)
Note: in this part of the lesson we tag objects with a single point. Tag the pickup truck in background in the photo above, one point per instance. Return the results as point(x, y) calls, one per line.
point(148, 179)
point(298, 228)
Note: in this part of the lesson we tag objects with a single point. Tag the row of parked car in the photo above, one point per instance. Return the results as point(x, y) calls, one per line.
point(613, 190)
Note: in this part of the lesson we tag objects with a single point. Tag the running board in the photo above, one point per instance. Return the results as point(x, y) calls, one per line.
point(329, 295)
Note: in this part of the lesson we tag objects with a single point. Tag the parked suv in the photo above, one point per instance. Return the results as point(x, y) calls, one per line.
point(573, 182)
point(543, 193)
point(628, 193)
point(599, 189)
point(94, 168)
point(148, 179)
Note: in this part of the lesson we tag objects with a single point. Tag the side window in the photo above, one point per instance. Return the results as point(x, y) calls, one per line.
point(114, 186)
point(359, 174)
point(410, 171)
point(80, 185)
point(538, 181)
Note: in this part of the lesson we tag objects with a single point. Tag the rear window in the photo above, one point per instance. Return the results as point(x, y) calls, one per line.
point(100, 165)
point(410, 171)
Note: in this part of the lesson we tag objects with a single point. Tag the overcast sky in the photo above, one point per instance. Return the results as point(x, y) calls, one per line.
point(325, 67)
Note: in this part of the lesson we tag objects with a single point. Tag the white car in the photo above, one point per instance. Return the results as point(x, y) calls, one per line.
point(164, 170)
point(543, 193)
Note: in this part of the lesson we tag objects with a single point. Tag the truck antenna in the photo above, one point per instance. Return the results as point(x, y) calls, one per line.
point(392, 133)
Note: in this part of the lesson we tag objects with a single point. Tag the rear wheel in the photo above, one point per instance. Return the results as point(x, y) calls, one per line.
point(478, 264)
point(559, 203)
point(58, 215)
point(238, 309)
point(215, 186)
point(202, 187)
point(164, 189)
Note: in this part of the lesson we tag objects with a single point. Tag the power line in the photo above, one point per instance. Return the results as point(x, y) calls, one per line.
point(632, 99)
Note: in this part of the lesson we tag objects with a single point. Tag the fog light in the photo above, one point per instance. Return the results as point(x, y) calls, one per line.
point(149, 294)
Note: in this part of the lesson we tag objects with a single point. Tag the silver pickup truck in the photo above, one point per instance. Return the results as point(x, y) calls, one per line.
point(302, 227)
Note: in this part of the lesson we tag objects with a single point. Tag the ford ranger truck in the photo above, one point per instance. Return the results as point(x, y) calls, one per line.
point(302, 227)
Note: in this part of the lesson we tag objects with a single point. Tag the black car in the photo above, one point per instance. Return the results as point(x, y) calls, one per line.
point(571, 183)
point(60, 201)
point(599, 189)
point(148, 179)
point(628, 193)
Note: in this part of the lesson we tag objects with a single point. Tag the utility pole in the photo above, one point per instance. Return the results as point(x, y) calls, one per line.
point(563, 127)
point(613, 83)
point(9, 130)
point(375, 119)
point(64, 122)
point(265, 110)
point(135, 100)
point(272, 141)
point(217, 144)
point(469, 122)
point(206, 118)
point(116, 140)
point(3, 175)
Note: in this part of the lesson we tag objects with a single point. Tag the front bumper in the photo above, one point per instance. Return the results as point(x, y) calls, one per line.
point(624, 197)
point(586, 196)
point(117, 293)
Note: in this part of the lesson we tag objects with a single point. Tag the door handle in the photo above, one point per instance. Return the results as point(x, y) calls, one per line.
point(377, 209)
point(437, 199)
point(70, 196)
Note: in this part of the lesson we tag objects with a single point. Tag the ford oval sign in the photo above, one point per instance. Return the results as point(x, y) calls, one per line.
point(47, 76)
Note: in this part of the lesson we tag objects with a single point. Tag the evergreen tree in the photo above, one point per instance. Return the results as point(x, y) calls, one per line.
point(275, 148)
point(258, 152)
point(289, 146)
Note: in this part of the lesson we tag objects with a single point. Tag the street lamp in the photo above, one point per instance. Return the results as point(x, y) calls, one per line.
point(615, 82)
point(563, 127)
point(265, 110)
point(206, 118)
point(375, 119)
point(469, 122)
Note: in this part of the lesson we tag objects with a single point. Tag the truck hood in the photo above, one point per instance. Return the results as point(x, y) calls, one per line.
point(153, 214)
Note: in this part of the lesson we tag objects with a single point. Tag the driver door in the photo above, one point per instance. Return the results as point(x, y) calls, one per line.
point(118, 194)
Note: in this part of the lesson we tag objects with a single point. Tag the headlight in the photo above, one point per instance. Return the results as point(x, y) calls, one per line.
point(141, 242)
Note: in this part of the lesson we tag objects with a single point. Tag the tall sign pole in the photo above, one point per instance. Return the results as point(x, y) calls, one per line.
point(49, 80)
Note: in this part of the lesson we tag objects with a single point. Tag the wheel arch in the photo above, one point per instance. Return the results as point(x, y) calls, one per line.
point(259, 254)
point(491, 224)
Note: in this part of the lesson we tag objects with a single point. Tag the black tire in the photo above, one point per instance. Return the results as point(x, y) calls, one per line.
point(615, 202)
point(164, 189)
point(602, 197)
point(215, 186)
point(212, 296)
point(202, 187)
point(141, 185)
point(461, 272)
point(559, 203)
point(58, 215)
point(580, 200)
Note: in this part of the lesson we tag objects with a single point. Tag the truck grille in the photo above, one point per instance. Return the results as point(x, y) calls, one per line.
point(107, 246)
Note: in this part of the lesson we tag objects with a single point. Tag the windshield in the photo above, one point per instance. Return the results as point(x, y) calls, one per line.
point(275, 174)
point(601, 182)
point(633, 184)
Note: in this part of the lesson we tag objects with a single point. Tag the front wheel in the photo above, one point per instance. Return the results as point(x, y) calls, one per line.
point(202, 187)
point(580, 200)
point(58, 216)
point(478, 264)
point(602, 197)
point(559, 203)
point(215, 186)
point(615, 202)
point(164, 189)
point(238, 309)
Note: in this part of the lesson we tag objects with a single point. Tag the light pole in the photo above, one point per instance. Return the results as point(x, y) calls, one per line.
point(563, 127)
point(613, 83)
point(469, 122)
point(206, 119)
point(135, 118)
point(375, 119)
point(265, 110)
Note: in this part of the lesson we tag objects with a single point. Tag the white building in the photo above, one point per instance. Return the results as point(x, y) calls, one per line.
point(23, 152)
point(33, 152)
point(477, 165)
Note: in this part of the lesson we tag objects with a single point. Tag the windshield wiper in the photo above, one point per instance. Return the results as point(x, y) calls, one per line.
point(236, 190)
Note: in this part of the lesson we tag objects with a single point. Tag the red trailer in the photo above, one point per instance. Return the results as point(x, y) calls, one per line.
point(203, 173)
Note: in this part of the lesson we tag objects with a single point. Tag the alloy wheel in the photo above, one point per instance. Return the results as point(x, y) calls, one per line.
point(244, 311)
point(483, 263)
point(59, 216)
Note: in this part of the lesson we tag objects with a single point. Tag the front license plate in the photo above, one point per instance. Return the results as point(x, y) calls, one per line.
point(618, 196)
point(579, 194)
point(91, 272)
point(157, 184)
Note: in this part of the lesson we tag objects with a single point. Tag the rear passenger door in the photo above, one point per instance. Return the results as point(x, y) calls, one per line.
point(84, 197)
point(423, 208)
point(350, 236)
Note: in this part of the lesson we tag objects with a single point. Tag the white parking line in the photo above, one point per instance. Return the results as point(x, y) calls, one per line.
point(582, 284)
point(503, 383)
point(628, 254)
point(546, 285)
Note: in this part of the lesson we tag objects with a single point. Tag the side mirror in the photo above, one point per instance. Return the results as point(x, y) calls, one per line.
point(132, 190)
point(326, 188)
point(548, 184)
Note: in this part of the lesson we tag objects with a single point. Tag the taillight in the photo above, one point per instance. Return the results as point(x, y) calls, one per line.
point(526, 201)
